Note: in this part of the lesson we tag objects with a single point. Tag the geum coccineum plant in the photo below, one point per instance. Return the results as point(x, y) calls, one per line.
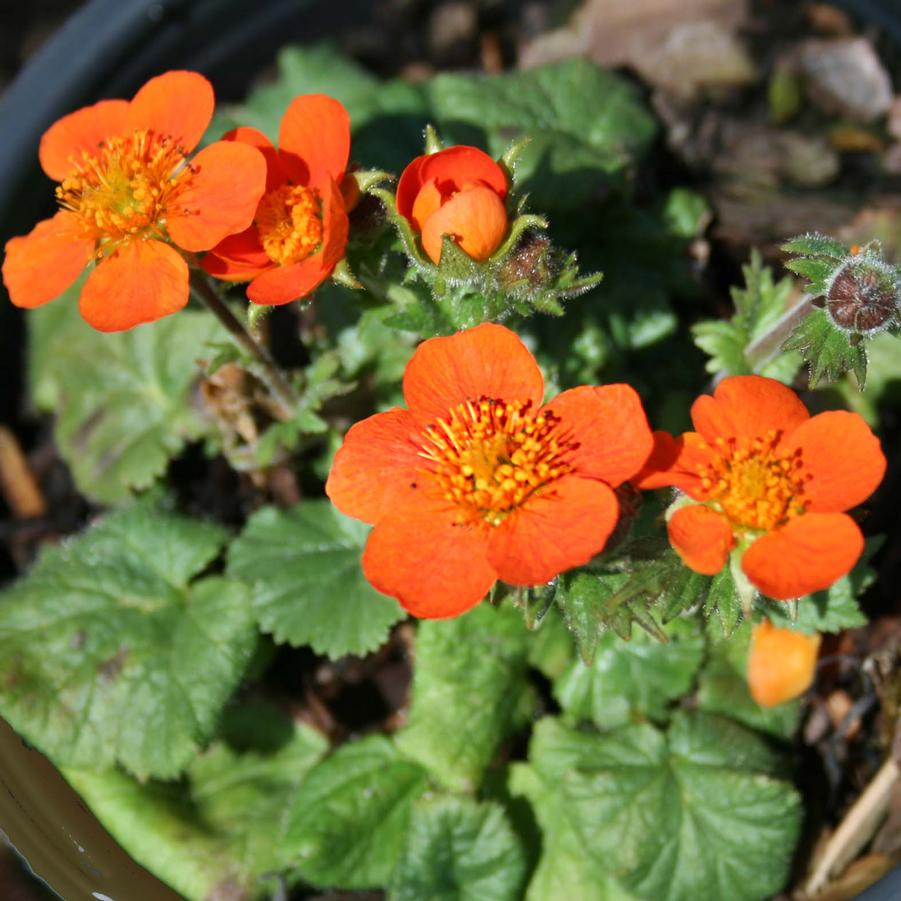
point(477, 480)
point(300, 227)
point(769, 483)
point(132, 202)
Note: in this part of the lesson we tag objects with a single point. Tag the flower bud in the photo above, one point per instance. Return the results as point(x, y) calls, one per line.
point(458, 192)
point(781, 663)
point(862, 296)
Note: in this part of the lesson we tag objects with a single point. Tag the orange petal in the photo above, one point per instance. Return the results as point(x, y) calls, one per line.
point(282, 284)
point(486, 361)
point(81, 132)
point(656, 471)
point(428, 201)
point(435, 566)
point(275, 171)
point(461, 164)
point(40, 265)
point(747, 406)
point(314, 139)
point(702, 537)
point(475, 218)
point(141, 282)
point(562, 527)
point(375, 470)
point(611, 428)
point(176, 104)
point(781, 663)
point(220, 198)
point(807, 554)
point(408, 187)
point(238, 258)
point(692, 454)
point(843, 458)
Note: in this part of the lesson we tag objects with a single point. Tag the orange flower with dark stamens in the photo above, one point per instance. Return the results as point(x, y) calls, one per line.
point(129, 197)
point(781, 663)
point(299, 232)
point(459, 192)
point(770, 480)
point(478, 481)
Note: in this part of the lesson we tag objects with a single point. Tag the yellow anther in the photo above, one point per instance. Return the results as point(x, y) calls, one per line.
point(289, 223)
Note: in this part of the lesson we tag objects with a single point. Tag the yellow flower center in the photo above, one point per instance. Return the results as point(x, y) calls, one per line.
point(124, 190)
point(289, 223)
point(489, 457)
point(754, 484)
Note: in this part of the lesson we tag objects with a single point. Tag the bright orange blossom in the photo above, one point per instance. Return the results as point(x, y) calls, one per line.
point(460, 192)
point(478, 481)
point(771, 480)
point(781, 663)
point(300, 228)
point(127, 194)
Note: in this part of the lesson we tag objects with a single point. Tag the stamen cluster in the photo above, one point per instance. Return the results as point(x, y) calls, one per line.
point(755, 484)
point(289, 222)
point(490, 456)
point(124, 190)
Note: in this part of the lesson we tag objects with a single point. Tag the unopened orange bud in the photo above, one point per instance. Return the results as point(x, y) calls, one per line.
point(458, 192)
point(781, 663)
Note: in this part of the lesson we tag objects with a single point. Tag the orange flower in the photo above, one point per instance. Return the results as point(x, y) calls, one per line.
point(127, 194)
point(477, 481)
point(300, 228)
point(458, 192)
point(770, 480)
point(781, 663)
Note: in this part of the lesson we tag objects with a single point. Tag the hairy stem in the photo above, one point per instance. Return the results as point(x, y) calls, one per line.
point(272, 376)
point(763, 348)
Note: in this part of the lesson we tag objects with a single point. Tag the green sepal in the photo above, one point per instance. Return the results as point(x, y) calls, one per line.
point(827, 349)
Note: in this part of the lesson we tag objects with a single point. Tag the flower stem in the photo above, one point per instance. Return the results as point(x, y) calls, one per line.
point(765, 347)
point(272, 376)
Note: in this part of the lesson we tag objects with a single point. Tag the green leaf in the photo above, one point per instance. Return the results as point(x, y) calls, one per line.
point(110, 652)
point(687, 814)
point(123, 400)
point(564, 869)
point(223, 828)
point(551, 649)
point(585, 124)
point(833, 609)
point(723, 603)
point(350, 819)
point(629, 679)
point(468, 689)
point(307, 586)
point(815, 245)
point(723, 689)
point(827, 349)
point(758, 307)
point(459, 850)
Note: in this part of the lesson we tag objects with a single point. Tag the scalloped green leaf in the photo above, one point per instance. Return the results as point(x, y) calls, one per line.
point(815, 244)
point(827, 350)
point(349, 821)
point(307, 585)
point(585, 125)
point(123, 400)
point(112, 652)
point(677, 816)
point(469, 693)
point(459, 850)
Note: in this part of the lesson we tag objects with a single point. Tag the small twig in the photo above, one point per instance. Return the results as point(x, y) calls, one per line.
point(856, 829)
point(766, 346)
point(270, 374)
point(17, 481)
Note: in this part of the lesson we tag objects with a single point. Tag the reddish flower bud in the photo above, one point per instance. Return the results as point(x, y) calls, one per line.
point(458, 192)
point(862, 296)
